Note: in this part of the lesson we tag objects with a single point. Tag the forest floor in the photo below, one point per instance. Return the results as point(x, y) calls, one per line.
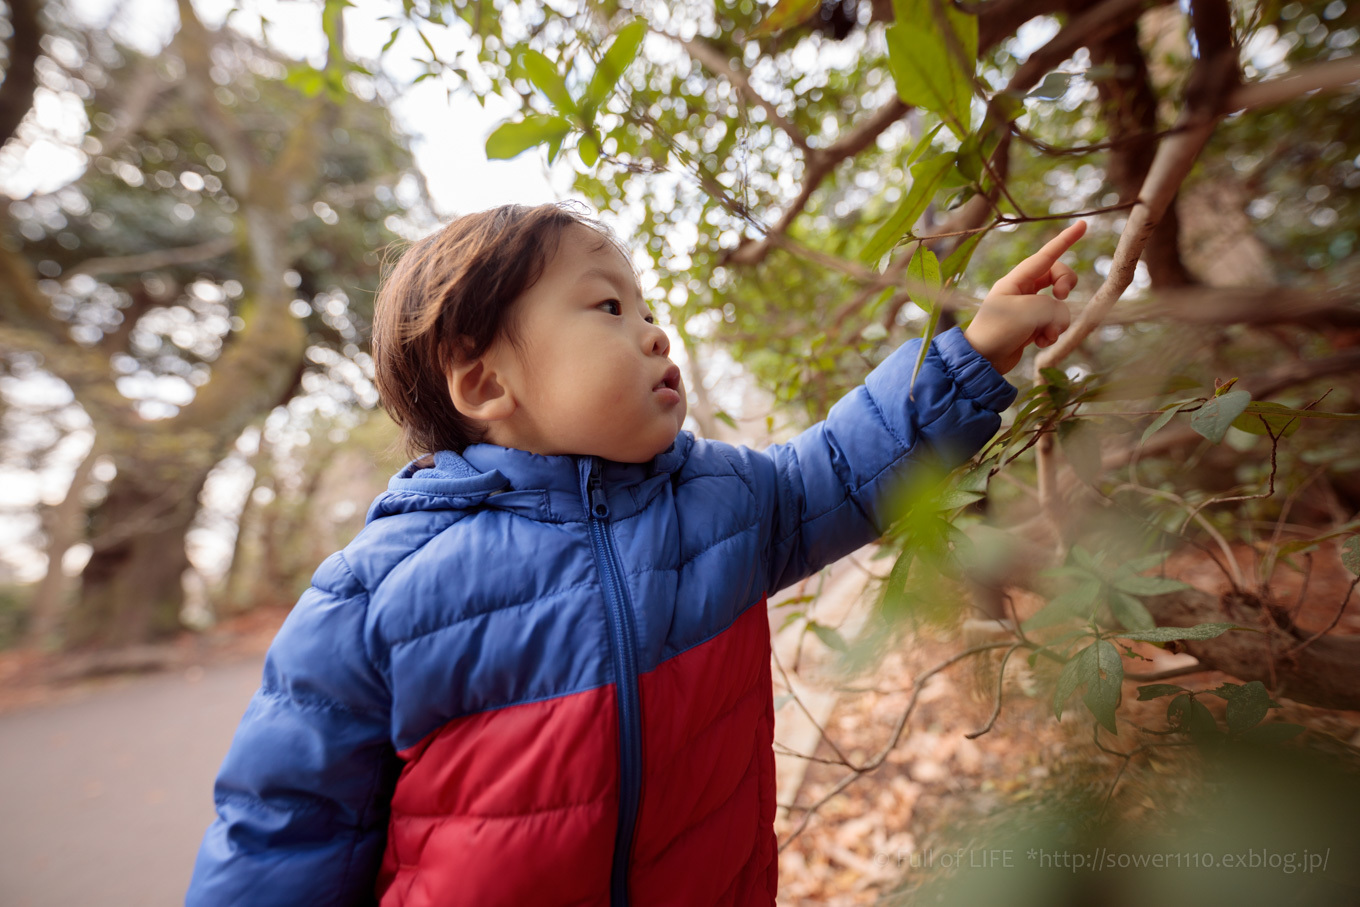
point(940, 801)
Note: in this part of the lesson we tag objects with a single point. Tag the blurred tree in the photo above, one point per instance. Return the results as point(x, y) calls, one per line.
point(216, 258)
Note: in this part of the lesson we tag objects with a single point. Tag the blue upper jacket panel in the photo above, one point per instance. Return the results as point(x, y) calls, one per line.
point(482, 589)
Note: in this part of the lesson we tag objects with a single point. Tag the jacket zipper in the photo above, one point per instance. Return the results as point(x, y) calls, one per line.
point(626, 680)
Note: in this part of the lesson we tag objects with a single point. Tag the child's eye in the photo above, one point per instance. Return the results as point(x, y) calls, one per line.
point(614, 304)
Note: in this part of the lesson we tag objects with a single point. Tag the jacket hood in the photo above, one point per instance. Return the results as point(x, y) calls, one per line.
point(541, 487)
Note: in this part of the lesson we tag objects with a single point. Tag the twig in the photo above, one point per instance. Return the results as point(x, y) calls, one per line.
point(1000, 687)
point(1323, 632)
point(794, 693)
point(860, 770)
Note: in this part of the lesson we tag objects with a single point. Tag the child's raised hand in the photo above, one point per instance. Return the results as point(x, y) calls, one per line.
point(1014, 315)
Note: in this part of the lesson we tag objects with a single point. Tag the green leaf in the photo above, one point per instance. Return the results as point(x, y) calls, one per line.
point(1146, 562)
point(392, 39)
point(932, 52)
point(1213, 419)
point(1226, 691)
point(511, 139)
point(1266, 418)
point(1138, 584)
point(1350, 554)
point(924, 271)
point(1157, 691)
point(1053, 87)
point(1087, 561)
point(1078, 602)
point(924, 143)
point(793, 617)
point(622, 50)
point(1160, 421)
point(1130, 612)
point(555, 147)
point(547, 79)
point(1078, 670)
point(786, 14)
point(1190, 716)
point(1248, 707)
point(957, 261)
point(828, 635)
point(1103, 686)
point(1167, 634)
point(725, 418)
point(925, 179)
point(589, 150)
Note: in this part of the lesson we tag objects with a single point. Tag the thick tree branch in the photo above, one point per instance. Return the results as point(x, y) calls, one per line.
point(154, 261)
point(818, 165)
point(1327, 76)
point(1327, 675)
point(1246, 305)
point(1129, 106)
point(21, 75)
point(1170, 166)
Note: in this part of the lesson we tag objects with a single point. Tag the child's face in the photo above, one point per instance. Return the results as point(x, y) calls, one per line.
point(593, 375)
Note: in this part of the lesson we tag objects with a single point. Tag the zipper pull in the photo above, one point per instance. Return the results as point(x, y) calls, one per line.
point(599, 504)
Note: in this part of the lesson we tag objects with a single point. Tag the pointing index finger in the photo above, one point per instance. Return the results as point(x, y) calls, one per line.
point(1038, 265)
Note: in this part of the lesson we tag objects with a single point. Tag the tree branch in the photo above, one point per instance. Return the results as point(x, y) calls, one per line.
point(1329, 677)
point(1170, 166)
point(818, 165)
point(1327, 76)
point(1130, 109)
point(21, 75)
point(154, 261)
point(1247, 305)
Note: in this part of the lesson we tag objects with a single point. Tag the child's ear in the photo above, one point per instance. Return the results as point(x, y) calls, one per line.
point(478, 390)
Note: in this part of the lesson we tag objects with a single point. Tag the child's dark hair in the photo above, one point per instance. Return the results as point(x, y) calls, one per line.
point(449, 297)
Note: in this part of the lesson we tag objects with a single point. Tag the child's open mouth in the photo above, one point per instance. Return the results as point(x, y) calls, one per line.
point(671, 381)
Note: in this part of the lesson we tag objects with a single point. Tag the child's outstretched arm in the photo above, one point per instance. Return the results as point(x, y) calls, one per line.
point(824, 493)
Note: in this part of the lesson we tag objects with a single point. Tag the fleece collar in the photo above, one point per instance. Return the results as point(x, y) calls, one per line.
point(546, 488)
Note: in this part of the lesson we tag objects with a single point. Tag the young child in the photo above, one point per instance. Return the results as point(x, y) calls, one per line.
point(541, 673)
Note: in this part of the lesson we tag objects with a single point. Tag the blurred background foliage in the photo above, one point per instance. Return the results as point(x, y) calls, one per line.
point(187, 320)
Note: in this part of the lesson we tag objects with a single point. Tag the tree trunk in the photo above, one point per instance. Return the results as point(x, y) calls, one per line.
point(131, 589)
point(64, 529)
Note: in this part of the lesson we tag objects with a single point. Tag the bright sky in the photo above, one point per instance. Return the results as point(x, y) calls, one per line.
point(448, 134)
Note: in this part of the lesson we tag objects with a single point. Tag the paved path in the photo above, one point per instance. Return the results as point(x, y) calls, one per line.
point(104, 799)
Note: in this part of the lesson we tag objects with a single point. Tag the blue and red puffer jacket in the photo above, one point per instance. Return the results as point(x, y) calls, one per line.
point(546, 680)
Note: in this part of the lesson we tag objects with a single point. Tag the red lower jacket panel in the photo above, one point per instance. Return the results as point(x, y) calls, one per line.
point(509, 807)
point(519, 805)
point(705, 832)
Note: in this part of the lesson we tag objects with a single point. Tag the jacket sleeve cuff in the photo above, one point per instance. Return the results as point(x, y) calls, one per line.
point(972, 373)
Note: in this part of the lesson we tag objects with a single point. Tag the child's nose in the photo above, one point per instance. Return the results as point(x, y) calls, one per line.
point(656, 341)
